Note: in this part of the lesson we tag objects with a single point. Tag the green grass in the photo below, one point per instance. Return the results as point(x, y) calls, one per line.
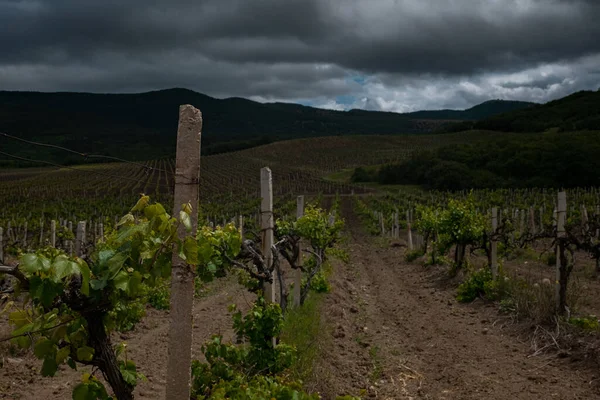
point(303, 328)
point(340, 176)
point(345, 175)
point(391, 188)
point(376, 360)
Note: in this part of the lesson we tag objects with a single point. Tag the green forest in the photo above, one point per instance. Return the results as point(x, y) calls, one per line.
point(576, 112)
point(553, 160)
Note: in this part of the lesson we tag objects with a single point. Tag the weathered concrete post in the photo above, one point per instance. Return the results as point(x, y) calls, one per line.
point(532, 227)
point(584, 217)
point(410, 240)
point(494, 244)
point(187, 181)
point(53, 233)
point(41, 241)
point(298, 271)
point(266, 225)
point(80, 238)
point(69, 243)
point(25, 236)
point(561, 213)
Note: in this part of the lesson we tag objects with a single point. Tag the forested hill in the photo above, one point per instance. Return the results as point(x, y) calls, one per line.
point(578, 111)
point(143, 126)
point(478, 112)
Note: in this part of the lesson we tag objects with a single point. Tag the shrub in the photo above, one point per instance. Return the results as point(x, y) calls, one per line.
point(528, 299)
point(459, 225)
point(159, 297)
point(588, 323)
point(124, 317)
point(257, 370)
point(320, 284)
point(481, 283)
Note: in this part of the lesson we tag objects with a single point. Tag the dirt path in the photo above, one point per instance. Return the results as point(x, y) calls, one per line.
point(398, 334)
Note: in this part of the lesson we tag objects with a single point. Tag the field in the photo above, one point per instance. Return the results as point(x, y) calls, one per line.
point(230, 182)
point(390, 324)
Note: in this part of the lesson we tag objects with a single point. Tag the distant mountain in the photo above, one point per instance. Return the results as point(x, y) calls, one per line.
point(578, 111)
point(480, 111)
point(143, 125)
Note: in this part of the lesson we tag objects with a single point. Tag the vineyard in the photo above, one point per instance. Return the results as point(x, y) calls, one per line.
point(422, 294)
point(80, 295)
point(504, 239)
point(230, 183)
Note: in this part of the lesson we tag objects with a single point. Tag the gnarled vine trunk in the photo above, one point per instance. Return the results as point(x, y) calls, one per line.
point(105, 358)
point(565, 270)
point(459, 257)
point(283, 289)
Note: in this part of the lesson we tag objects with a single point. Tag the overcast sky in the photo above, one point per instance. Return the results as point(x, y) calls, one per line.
point(393, 55)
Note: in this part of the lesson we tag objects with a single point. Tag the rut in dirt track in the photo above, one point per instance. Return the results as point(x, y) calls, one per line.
point(400, 334)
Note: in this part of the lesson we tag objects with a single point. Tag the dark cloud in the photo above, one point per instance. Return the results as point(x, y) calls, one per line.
point(411, 53)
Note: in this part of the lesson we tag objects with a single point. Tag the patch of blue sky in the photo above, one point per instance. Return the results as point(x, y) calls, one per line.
point(360, 79)
point(345, 99)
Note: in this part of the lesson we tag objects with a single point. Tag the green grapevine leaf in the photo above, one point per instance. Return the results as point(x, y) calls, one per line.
point(49, 367)
point(44, 290)
point(42, 347)
point(59, 333)
point(19, 319)
point(71, 363)
point(121, 281)
point(212, 267)
point(62, 354)
point(105, 255)
point(115, 263)
point(64, 267)
point(134, 283)
point(141, 204)
point(85, 277)
point(22, 341)
point(33, 263)
point(98, 284)
point(85, 353)
point(205, 252)
point(126, 220)
point(154, 210)
point(129, 372)
point(190, 250)
point(81, 392)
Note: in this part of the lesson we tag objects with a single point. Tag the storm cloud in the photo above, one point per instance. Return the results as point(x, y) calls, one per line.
point(393, 55)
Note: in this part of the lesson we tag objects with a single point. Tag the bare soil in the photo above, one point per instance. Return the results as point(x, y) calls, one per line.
point(394, 331)
point(398, 333)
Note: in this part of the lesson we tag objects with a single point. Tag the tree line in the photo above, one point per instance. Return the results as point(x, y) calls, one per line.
point(553, 160)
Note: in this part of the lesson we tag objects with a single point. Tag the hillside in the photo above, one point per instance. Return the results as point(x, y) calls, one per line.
point(298, 164)
point(478, 112)
point(578, 111)
point(142, 126)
